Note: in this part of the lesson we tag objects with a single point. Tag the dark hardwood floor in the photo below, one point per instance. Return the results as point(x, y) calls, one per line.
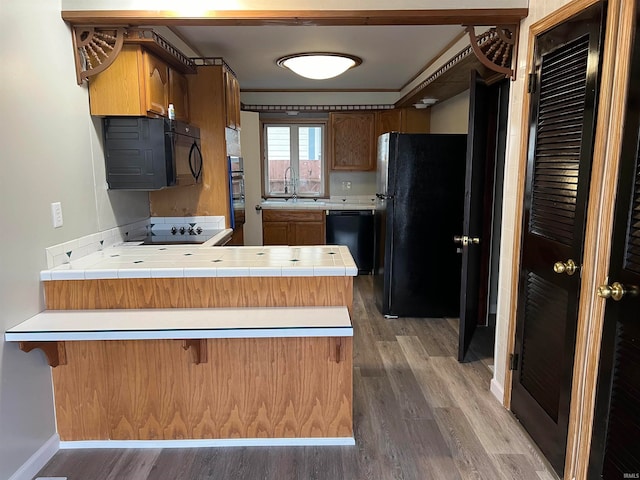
point(418, 414)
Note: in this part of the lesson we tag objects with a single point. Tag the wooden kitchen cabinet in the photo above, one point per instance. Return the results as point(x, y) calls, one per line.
point(403, 120)
point(179, 94)
point(137, 83)
point(308, 233)
point(352, 141)
point(232, 100)
point(293, 227)
point(275, 233)
point(207, 110)
point(156, 84)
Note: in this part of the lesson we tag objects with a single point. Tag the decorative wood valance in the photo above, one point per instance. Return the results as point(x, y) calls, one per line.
point(496, 48)
point(96, 48)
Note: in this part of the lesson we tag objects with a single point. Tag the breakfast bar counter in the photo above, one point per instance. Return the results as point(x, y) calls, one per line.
point(158, 346)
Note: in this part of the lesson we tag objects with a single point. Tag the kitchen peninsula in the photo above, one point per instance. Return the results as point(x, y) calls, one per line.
point(199, 345)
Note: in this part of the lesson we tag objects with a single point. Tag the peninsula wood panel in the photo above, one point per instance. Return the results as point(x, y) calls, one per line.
point(199, 292)
point(249, 388)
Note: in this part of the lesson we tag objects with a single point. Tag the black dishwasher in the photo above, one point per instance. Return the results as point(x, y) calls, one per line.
point(353, 228)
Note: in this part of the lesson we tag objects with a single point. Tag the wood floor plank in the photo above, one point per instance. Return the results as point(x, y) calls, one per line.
point(496, 428)
point(434, 457)
point(433, 387)
point(177, 463)
point(380, 326)
point(376, 461)
point(134, 464)
point(418, 415)
point(365, 357)
point(471, 459)
point(407, 391)
point(515, 466)
point(438, 337)
point(547, 474)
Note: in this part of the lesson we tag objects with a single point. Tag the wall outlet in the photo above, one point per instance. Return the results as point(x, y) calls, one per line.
point(346, 185)
point(56, 214)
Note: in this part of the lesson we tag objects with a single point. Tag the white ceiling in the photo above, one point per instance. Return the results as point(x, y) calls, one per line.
point(392, 55)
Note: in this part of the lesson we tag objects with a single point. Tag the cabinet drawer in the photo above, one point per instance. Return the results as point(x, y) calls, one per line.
point(292, 215)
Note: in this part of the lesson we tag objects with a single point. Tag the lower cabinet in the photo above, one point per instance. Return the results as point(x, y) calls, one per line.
point(293, 227)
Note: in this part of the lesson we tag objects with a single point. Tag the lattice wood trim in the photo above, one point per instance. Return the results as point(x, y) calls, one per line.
point(496, 48)
point(314, 108)
point(95, 49)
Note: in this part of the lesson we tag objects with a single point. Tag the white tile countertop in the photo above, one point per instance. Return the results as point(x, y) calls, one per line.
point(176, 261)
point(363, 202)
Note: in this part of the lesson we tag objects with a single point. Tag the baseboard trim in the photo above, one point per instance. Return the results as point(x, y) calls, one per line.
point(203, 443)
point(497, 391)
point(31, 467)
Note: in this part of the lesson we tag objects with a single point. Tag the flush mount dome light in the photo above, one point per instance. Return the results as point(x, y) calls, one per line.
point(319, 65)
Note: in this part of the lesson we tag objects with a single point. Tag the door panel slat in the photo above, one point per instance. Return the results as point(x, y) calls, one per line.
point(562, 103)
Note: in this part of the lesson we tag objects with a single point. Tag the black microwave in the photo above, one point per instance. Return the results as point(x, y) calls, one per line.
point(151, 153)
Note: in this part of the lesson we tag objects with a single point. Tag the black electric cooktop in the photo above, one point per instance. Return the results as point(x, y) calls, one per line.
point(168, 237)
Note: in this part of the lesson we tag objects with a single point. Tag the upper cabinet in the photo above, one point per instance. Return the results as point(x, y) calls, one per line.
point(232, 99)
point(138, 83)
point(155, 82)
point(352, 141)
point(179, 94)
point(403, 120)
point(354, 135)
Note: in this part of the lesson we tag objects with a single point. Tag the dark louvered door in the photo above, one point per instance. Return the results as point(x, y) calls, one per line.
point(564, 89)
point(615, 447)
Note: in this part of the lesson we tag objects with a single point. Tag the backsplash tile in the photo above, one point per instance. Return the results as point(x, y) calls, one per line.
point(65, 252)
point(160, 224)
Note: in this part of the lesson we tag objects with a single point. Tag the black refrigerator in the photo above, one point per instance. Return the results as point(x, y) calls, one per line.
point(420, 190)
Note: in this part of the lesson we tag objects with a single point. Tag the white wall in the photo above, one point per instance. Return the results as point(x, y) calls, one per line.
point(50, 152)
point(538, 9)
point(452, 115)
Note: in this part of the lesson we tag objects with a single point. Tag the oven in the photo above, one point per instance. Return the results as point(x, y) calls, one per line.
point(236, 190)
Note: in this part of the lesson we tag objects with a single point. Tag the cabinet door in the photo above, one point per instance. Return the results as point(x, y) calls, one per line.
point(238, 237)
point(415, 120)
point(275, 233)
point(236, 101)
point(352, 139)
point(232, 100)
point(388, 121)
point(118, 90)
point(156, 82)
point(307, 233)
point(179, 94)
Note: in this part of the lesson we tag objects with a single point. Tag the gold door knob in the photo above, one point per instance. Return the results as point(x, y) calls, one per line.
point(615, 291)
point(465, 240)
point(569, 267)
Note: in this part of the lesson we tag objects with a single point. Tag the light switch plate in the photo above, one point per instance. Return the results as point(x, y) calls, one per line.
point(56, 214)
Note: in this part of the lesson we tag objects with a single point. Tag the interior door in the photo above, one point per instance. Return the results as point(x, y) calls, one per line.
point(615, 446)
point(473, 288)
point(564, 89)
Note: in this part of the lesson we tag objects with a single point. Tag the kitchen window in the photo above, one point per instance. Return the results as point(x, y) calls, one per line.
point(294, 159)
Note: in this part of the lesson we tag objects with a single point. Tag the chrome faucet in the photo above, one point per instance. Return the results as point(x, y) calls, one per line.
point(292, 182)
point(286, 184)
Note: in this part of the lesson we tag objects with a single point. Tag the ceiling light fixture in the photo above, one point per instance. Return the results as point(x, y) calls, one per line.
point(319, 65)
